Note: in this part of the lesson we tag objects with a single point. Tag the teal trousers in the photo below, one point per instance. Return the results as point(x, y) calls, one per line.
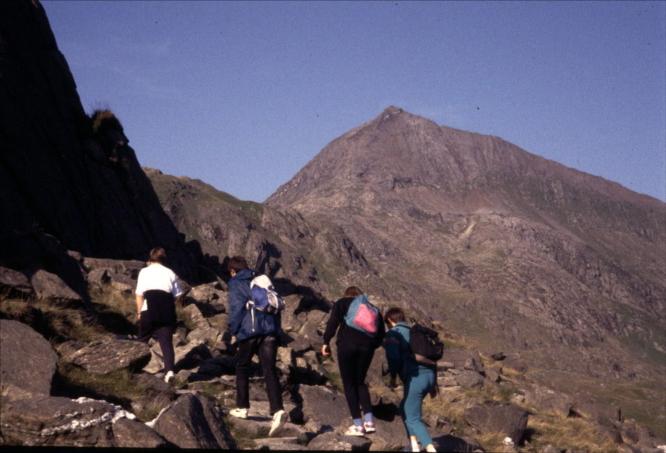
point(417, 386)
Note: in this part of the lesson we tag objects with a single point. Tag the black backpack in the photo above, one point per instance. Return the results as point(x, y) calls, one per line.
point(425, 345)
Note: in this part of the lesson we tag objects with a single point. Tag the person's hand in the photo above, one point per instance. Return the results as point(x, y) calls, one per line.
point(325, 350)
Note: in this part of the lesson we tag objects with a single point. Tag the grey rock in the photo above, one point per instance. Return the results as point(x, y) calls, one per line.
point(463, 359)
point(334, 441)
point(105, 356)
point(50, 286)
point(208, 335)
point(27, 361)
point(194, 317)
point(507, 419)
point(498, 356)
point(186, 424)
point(469, 379)
point(134, 434)
point(323, 408)
point(448, 442)
point(492, 375)
point(58, 421)
point(14, 283)
point(548, 400)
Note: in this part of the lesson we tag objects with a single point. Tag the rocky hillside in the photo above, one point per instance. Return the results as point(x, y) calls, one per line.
point(67, 181)
point(91, 385)
point(318, 259)
point(505, 247)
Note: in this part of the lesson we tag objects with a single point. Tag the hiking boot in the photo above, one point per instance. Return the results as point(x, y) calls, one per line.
point(168, 376)
point(355, 430)
point(279, 419)
point(239, 412)
point(369, 427)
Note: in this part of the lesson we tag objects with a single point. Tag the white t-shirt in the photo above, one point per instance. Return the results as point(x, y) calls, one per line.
point(156, 276)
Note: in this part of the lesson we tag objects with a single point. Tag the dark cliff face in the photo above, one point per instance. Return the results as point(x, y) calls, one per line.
point(65, 181)
point(510, 249)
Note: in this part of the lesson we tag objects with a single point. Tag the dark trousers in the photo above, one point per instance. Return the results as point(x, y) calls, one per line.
point(354, 363)
point(164, 336)
point(265, 346)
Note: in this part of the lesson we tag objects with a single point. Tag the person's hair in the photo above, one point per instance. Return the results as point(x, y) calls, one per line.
point(237, 264)
point(157, 255)
point(395, 315)
point(353, 291)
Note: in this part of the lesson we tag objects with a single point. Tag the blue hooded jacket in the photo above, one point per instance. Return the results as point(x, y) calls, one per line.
point(240, 320)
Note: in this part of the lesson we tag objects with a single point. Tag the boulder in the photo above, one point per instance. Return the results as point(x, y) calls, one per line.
point(333, 441)
point(469, 379)
point(14, 283)
point(27, 362)
point(493, 375)
point(448, 442)
point(462, 359)
point(105, 356)
point(323, 408)
point(219, 321)
point(191, 423)
point(58, 421)
point(128, 268)
point(156, 394)
point(506, 419)
point(547, 400)
point(50, 286)
point(285, 443)
point(134, 434)
point(209, 293)
point(208, 335)
point(193, 317)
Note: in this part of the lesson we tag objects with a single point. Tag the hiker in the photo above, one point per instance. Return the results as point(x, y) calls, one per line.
point(418, 379)
point(256, 332)
point(356, 346)
point(156, 292)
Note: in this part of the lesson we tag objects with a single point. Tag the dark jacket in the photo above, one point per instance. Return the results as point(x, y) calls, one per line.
point(241, 323)
point(348, 336)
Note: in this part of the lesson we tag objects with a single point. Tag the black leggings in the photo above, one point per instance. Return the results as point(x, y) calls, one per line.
point(164, 336)
point(265, 346)
point(354, 363)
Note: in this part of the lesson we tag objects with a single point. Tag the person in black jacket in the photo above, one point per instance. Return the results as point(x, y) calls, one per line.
point(355, 352)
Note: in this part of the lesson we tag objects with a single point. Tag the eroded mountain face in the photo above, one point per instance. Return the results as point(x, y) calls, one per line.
point(506, 247)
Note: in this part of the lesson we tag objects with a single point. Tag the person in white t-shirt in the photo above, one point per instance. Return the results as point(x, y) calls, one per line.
point(157, 289)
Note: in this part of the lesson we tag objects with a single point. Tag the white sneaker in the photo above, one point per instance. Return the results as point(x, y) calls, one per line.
point(279, 419)
point(239, 412)
point(369, 427)
point(355, 430)
point(168, 376)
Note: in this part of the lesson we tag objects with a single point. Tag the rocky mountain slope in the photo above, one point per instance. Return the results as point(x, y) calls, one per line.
point(91, 385)
point(503, 246)
point(67, 181)
point(318, 259)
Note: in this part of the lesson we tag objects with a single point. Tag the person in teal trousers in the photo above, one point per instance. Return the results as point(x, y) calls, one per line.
point(418, 379)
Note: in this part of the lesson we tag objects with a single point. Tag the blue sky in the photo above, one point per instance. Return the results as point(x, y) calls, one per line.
point(243, 95)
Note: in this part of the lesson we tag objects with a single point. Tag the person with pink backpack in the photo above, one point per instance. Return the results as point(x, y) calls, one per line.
point(360, 331)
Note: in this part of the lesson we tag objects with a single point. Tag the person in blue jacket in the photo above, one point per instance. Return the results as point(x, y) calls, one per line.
point(256, 332)
point(418, 379)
